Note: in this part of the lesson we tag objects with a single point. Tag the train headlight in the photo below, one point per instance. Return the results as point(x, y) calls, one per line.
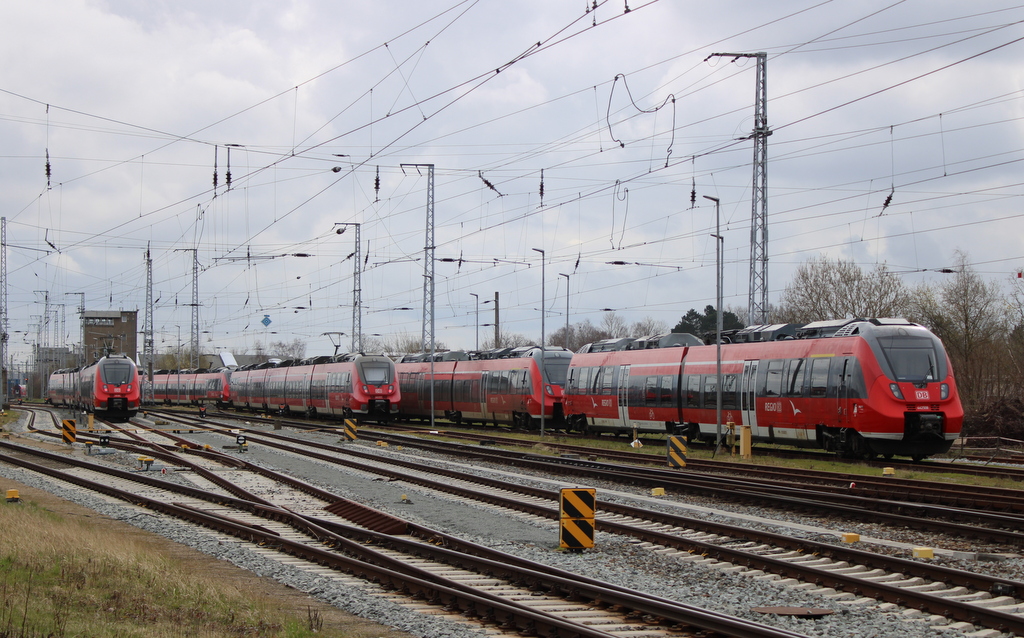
point(548, 389)
point(365, 389)
point(104, 387)
point(896, 391)
point(944, 391)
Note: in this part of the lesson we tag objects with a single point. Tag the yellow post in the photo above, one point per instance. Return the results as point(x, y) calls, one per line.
point(745, 443)
point(91, 417)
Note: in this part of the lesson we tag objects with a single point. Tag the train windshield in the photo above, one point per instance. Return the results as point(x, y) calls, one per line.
point(556, 367)
point(913, 359)
point(376, 373)
point(116, 372)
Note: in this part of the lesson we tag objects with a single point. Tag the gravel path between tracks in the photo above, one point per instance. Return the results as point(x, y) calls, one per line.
point(615, 559)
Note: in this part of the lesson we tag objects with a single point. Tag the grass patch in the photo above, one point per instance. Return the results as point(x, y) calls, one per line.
point(61, 577)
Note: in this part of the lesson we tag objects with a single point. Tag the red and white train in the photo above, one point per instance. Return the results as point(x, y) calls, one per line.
point(498, 386)
point(109, 388)
point(192, 387)
point(857, 387)
point(349, 386)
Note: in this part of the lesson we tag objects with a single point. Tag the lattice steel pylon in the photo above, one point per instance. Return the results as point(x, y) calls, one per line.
point(357, 289)
point(194, 358)
point(757, 301)
point(3, 310)
point(427, 336)
point(148, 346)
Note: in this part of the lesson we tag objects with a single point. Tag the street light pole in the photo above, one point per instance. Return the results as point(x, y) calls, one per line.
point(719, 240)
point(543, 392)
point(473, 294)
point(566, 344)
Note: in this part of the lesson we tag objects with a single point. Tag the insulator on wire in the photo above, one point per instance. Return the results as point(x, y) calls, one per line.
point(693, 193)
point(215, 149)
point(47, 168)
point(376, 186)
point(542, 187)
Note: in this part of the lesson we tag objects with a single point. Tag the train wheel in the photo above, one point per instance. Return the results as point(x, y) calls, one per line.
point(311, 412)
point(917, 458)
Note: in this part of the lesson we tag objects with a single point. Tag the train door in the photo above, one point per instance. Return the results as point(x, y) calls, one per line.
point(624, 396)
point(748, 397)
point(840, 372)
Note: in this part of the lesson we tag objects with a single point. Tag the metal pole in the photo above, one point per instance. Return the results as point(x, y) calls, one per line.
point(718, 317)
point(566, 344)
point(473, 294)
point(543, 385)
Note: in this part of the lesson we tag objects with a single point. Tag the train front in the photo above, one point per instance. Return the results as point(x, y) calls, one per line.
point(915, 394)
point(117, 387)
point(375, 393)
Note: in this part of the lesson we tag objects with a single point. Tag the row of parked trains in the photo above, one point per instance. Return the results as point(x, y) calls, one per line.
point(860, 387)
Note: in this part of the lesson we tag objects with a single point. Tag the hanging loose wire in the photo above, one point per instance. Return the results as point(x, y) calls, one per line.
point(669, 98)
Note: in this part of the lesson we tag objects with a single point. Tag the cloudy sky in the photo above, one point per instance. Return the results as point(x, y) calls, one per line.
point(593, 134)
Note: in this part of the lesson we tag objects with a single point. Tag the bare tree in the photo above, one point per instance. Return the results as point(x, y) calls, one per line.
point(966, 313)
point(294, 350)
point(648, 326)
point(507, 340)
point(826, 289)
point(614, 326)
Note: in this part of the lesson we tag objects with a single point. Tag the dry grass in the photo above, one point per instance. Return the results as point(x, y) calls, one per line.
point(61, 577)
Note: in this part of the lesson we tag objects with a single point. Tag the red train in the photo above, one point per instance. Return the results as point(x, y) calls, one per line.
point(497, 386)
point(350, 386)
point(857, 387)
point(192, 387)
point(108, 387)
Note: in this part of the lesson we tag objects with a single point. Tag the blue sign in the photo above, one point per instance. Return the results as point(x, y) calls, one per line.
point(266, 321)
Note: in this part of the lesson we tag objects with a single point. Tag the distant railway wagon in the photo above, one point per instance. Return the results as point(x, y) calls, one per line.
point(109, 388)
point(498, 386)
point(192, 387)
point(858, 387)
point(351, 386)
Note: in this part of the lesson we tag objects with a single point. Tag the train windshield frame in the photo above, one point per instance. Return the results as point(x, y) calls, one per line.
point(913, 358)
point(116, 372)
point(375, 372)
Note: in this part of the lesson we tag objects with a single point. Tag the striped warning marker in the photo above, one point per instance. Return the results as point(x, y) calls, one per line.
point(350, 430)
point(577, 507)
point(676, 451)
point(576, 533)
point(577, 502)
point(68, 433)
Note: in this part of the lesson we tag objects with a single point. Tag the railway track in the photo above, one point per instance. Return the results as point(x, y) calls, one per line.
point(862, 575)
point(859, 577)
point(286, 521)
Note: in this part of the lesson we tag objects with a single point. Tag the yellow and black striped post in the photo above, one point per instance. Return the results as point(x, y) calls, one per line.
point(68, 433)
point(350, 430)
point(676, 451)
point(577, 506)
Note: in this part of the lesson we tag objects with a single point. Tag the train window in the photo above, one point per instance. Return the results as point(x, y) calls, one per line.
point(911, 358)
point(116, 372)
point(710, 392)
point(773, 381)
point(819, 376)
point(376, 373)
point(795, 378)
point(608, 380)
point(667, 390)
point(693, 390)
point(729, 391)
